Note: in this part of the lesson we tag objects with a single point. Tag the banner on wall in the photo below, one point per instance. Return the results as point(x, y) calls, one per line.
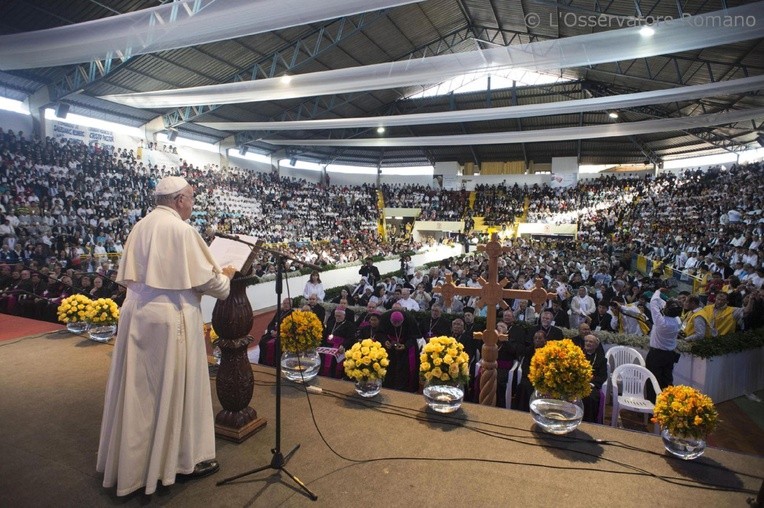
point(537, 228)
point(563, 180)
point(88, 135)
point(452, 182)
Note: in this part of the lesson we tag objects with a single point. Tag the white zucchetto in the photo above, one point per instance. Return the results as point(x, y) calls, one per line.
point(170, 185)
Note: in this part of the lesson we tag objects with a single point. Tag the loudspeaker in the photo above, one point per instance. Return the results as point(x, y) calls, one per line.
point(172, 135)
point(293, 161)
point(760, 140)
point(62, 110)
point(243, 150)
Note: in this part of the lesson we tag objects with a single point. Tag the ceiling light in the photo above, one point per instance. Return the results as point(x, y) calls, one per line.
point(286, 79)
point(647, 31)
point(380, 130)
point(613, 115)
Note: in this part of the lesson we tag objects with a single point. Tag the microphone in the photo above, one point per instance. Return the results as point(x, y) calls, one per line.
point(235, 238)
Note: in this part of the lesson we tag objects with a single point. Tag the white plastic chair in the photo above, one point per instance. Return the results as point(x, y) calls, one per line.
point(617, 356)
point(633, 379)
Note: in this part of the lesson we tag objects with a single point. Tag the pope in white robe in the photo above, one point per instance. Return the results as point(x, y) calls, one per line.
point(157, 418)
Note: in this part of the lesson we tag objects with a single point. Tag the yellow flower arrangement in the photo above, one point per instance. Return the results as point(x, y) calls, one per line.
point(103, 311)
point(685, 412)
point(443, 360)
point(560, 370)
point(366, 360)
point(210, 333)
point(300, 331)
point(73, 309)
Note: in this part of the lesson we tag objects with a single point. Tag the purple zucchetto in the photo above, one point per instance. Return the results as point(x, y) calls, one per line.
point(396, 318)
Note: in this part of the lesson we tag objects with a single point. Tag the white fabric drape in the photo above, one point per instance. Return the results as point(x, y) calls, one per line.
point(534, 136)
point(170, 26)
point(684, 93)
point(616, 45)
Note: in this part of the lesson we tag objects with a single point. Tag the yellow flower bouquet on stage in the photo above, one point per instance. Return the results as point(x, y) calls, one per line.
point(102, 314)
point(686, 416)
point(73, 309)
point(560, 374)
point(443, 360)
point(444, 368)
point(103, 311)
point(301, 333)
point(560, 370)
point(366, 363)
point(366, 360)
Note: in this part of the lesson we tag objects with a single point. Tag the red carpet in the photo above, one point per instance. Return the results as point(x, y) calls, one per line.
point(14, 327)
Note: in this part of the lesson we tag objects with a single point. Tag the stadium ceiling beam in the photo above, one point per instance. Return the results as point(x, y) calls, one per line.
point(708, 136)
point(675, 61)
point(76, 78)
point(287, 58)
point(317, 107)
point(246, 137)
point(728, 144)
point(80, 76)
point(646, 150)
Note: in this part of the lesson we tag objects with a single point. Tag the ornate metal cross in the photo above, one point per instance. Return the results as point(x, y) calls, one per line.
point(491, 293)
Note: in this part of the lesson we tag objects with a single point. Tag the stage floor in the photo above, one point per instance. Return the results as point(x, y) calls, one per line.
point(385, 452)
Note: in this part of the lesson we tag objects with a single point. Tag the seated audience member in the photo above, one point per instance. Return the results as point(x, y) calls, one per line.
point(267, 342)
point(369, 328)
point(602, 319)
point(341, 335)
point(407, 302)
point(595, 355)
point(436, 325)
point(560, 316)
point(526, 313)
point(316, 307)
point(471, 346)
point(525, 388)
point(99, 290)
point(583, 330)
point(545, 326)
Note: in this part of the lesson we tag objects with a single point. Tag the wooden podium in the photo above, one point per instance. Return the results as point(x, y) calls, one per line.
point(232, 319)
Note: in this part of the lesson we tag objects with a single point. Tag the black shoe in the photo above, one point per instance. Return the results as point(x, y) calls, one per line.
point(201, 470)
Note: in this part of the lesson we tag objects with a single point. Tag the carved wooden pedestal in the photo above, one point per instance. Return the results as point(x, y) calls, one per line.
point(232, 320)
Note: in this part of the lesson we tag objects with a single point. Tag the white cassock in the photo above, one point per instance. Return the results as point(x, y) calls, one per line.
point(157, 418)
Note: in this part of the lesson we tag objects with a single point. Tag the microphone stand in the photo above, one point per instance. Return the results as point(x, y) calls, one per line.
point(279, 460)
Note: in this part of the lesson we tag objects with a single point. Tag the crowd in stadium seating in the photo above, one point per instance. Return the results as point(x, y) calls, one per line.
point(499, 204)
point(434, 203)
point(68, 206)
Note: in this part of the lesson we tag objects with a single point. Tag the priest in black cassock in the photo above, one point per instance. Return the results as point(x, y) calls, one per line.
point(436, 325)
point(369, 327)
point(545, 325)
point(339, 334)
point(316, 307)
point(560, 316)
point(595, 355)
